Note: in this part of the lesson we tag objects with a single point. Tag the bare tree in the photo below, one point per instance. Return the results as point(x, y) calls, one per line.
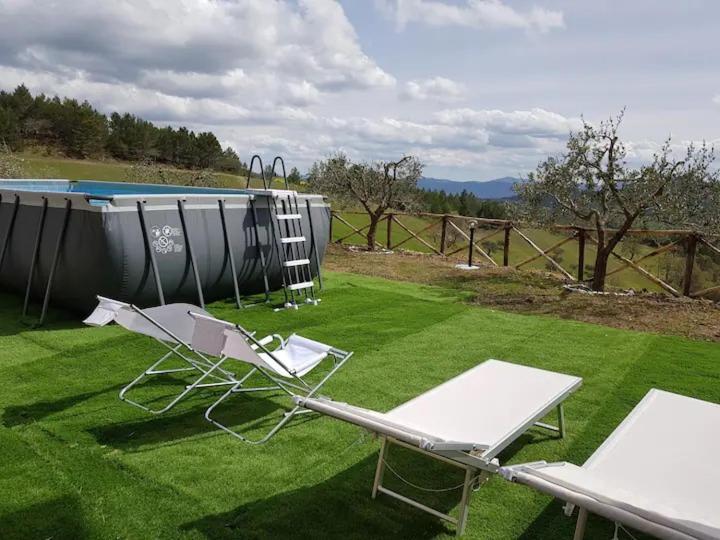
point(377, 186)
point(592, 185)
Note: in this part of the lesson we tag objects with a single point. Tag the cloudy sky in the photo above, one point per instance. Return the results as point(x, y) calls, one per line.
point(477, 88)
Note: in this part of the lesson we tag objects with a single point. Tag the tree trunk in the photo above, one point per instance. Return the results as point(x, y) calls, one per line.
point(372, 231)
point(601, 262)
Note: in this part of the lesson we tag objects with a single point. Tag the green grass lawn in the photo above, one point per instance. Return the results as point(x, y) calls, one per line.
point(78, 463)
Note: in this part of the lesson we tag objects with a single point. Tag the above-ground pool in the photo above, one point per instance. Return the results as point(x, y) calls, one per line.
point(147, 243)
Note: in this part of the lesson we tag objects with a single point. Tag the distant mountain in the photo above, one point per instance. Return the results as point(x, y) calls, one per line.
point(500, 188)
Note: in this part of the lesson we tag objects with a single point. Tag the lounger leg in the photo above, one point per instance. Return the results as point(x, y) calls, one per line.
point(561, 420)
point(581, 523)
point(464, 502)
point(181, 395)
point(380, 469)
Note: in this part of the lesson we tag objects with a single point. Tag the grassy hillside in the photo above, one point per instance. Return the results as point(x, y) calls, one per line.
point(78, 463)
point(75, 169)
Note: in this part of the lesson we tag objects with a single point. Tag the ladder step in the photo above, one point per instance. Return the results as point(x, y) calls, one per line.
point(303, 285)
point(292, 239)
point(298, 262)
point(289, 216)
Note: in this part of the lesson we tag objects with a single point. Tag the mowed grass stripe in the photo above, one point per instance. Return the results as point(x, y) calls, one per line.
point(110, 470)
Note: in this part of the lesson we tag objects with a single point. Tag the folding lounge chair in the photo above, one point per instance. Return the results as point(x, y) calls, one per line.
point(658, 472)
point(466, 421)
point(173, 327)
point(284, 367)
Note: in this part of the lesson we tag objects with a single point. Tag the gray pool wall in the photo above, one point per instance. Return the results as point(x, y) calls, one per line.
point(103, 250)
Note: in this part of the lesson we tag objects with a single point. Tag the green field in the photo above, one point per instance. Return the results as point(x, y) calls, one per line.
point(78, 463)
point(77, 169)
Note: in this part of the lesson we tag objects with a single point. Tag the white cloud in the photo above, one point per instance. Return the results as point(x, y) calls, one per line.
point(437, 88)
point(716, 99)
point(471, 13)
point(192, 47)
point(534, 123)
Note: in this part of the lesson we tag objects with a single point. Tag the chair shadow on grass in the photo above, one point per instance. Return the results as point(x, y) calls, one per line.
point(342, 507)
point(339, 507)
point(12, 322)
point(246, 414)
point(16, 415)
point(60, 518)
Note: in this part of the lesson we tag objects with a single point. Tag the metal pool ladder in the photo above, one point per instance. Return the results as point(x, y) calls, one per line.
point(287, 222)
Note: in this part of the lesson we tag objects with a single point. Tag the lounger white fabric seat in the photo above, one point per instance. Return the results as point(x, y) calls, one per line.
point(291, 360)
point(466, 421)
point(658, 472)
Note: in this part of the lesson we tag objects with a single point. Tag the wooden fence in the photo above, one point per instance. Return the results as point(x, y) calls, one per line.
point(454, 238)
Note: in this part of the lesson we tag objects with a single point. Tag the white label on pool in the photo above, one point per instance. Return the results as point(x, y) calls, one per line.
point(163, 241)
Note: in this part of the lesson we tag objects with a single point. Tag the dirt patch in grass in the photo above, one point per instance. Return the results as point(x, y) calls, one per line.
point(535, 292)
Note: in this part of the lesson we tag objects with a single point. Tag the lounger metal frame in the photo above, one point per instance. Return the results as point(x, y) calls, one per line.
point(197, 362)
point(299, 384)
point(477, 461)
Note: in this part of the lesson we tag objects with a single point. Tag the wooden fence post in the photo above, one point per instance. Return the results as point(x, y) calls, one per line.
point(506, 245)
point(389, 230)
point(443, 234)
point(691, 243)
point(581, 255)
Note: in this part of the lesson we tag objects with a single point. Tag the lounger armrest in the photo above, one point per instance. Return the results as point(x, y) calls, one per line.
point(370, 421)
point(511, 472)
point(267, 340)
point(105, 312)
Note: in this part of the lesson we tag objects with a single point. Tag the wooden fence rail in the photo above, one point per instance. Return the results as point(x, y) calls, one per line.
point(448, 245)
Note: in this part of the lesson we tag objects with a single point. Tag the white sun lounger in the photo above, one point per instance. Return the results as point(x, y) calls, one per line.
point(284, 367)
point(466, 421)
point(173, 327)
point(658, 472)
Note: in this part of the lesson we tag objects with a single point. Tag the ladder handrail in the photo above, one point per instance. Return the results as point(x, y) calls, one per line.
point(272, 174)
point(262, 171)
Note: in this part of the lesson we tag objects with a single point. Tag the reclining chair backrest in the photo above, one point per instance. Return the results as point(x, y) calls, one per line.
point(220, 338)
point(173, 317)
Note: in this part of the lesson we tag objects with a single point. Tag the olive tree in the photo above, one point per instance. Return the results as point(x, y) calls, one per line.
point(592, 185)
point(377, 186)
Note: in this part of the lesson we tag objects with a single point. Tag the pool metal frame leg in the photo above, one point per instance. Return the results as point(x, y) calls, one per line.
point(263, 262)
point(313, 245)
point(35, 255)
point(11, 226)
point(231, 255)
point(191, 253)
point(56, 258)
point(150, 252)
